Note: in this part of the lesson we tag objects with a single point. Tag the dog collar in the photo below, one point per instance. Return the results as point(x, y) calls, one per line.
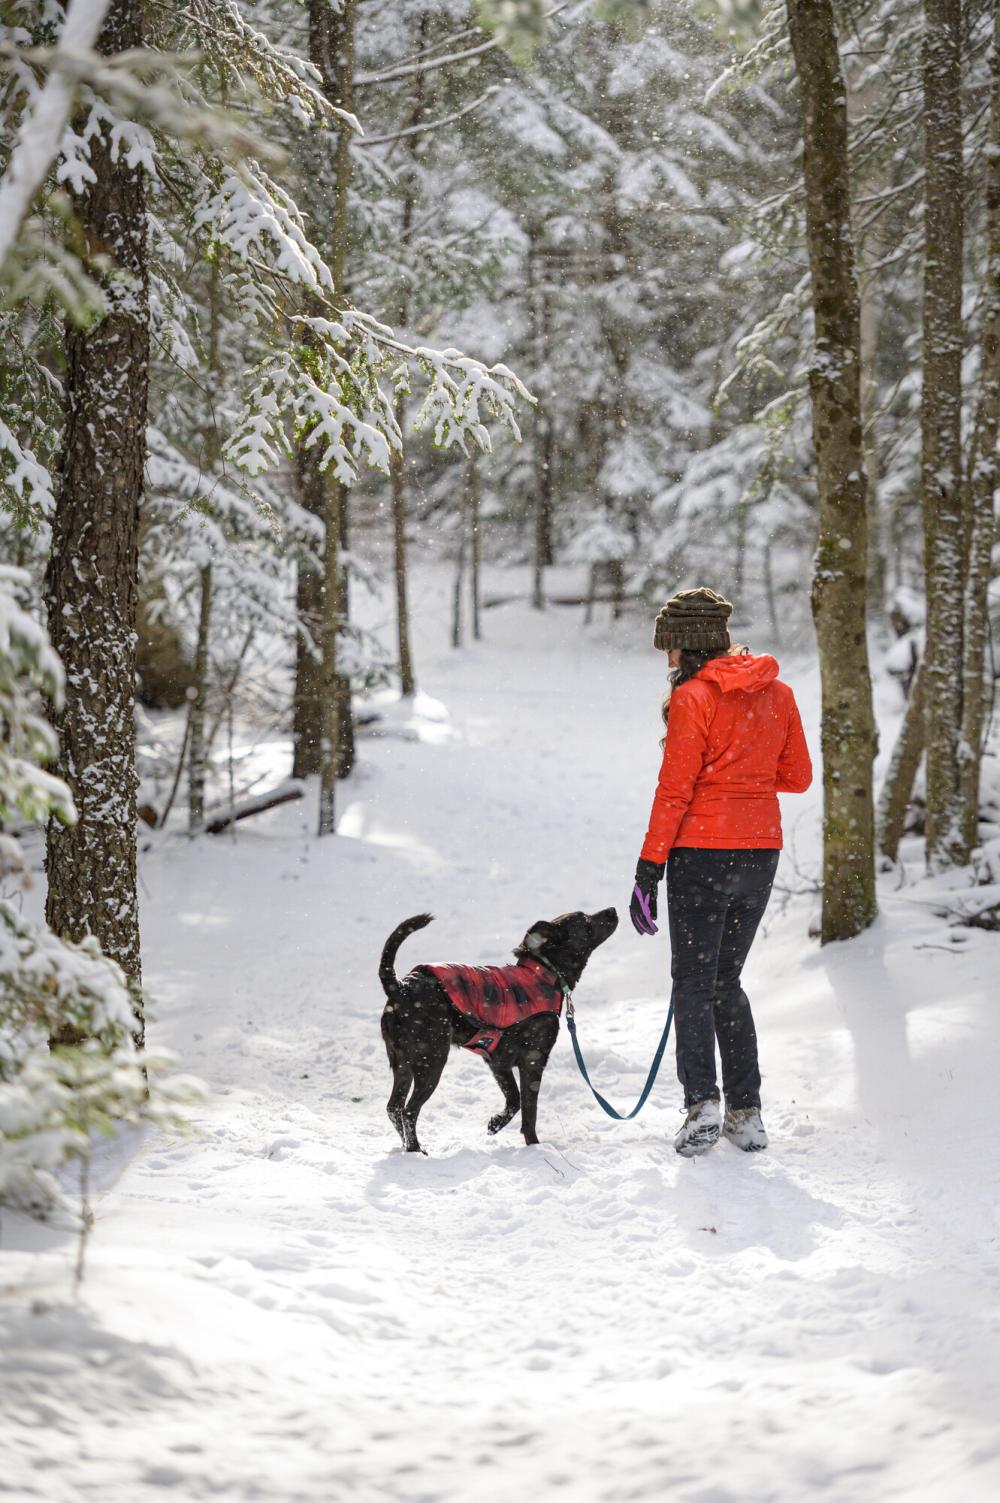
point(564, 985)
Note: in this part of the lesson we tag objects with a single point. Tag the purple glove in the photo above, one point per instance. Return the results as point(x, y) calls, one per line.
point(642, 908)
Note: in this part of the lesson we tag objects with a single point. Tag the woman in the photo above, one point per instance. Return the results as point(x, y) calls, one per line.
point(734, 741)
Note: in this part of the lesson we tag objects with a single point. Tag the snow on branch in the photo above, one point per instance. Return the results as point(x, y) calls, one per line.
point(23, 477)
point(219, 32)
point(255, 218)
point(326, 393)
point(458, 387)
point(38, 138)
point(29, 668)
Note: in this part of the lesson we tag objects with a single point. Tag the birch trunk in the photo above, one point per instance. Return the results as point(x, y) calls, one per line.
point(941, 423)
point(839, 580)
point(982, 484)
point(93, 568)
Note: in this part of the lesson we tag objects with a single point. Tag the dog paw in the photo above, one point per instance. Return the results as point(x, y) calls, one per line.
point(495, 1124)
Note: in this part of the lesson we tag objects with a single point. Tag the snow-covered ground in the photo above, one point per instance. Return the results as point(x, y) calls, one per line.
point(285, 1307)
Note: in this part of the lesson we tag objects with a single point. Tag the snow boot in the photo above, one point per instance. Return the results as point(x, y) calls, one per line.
point(744, 1127)
point(700, 1131)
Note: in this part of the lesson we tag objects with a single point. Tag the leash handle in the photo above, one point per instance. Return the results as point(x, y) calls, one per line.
point(650, 1079)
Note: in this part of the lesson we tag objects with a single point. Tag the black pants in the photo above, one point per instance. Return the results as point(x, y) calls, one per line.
point(715, 899)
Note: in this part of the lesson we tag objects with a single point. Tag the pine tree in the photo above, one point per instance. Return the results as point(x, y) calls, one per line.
point(93, 570)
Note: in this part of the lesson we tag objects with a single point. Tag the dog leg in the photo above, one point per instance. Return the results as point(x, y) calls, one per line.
point(426, 1075)
point(530, 1068)
point(402, 1079)
point(504, 1077)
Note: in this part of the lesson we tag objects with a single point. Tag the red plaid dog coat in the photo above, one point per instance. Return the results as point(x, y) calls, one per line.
point(497, 996)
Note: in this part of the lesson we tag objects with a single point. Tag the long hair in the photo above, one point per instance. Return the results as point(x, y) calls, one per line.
point(692, 662)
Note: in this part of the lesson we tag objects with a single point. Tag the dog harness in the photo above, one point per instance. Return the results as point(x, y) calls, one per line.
point(497, 996)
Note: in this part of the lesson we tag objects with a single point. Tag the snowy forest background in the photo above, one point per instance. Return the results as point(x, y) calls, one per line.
point(314, 311)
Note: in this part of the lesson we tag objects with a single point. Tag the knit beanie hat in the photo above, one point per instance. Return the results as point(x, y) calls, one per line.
point(695, 620)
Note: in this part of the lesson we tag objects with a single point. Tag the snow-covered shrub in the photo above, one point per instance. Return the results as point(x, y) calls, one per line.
point(52, 1099)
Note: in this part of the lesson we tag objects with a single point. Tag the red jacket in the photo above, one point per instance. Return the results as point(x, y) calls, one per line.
point(734, 741)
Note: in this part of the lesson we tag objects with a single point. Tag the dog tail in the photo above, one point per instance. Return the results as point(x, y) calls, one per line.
point(386, 966)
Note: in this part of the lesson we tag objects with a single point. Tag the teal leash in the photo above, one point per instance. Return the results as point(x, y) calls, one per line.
point(650, 1079)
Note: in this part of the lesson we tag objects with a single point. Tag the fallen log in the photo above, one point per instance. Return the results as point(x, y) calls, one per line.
point(492, 601)
point(287, 793)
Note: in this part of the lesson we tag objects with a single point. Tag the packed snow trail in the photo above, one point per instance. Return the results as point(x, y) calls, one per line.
point(288, 1308)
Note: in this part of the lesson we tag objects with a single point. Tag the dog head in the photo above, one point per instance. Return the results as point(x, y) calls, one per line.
point(567, 942)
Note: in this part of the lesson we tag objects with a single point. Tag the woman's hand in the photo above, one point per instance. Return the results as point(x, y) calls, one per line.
point(642, 908)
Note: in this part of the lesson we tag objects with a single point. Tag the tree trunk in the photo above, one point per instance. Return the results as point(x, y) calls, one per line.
point(772, 604)
point(92, 578)
point(472, 475)
point(616, 578)
point(941, 422)
point(306, 704)
point(544, 485)
point(982, 478)
point(329, 684)
point(346, 748)
point(871, 319)
point(897, 790)
point(397, 478)
point(407, 680)
point(588, 614)
point(331, 48)
point(544, 444)
point(839, 580)
point(862, 98)
point(197, 748)
point(456, 598)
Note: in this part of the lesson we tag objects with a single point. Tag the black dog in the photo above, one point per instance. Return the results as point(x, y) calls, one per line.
point(420, 1023)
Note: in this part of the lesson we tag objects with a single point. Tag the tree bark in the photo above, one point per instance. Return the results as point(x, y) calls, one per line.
point(346, 746)
point(941, 423)
point(306, 716)
point(329, 681)
point(472, 477)
point(588, 614)
point(542, 557)
point(407, 678)
point(897, 790)
point(456, 597)
point(397, 479)
point(544, 442)
point(982, 479)
point(870, 243)
point(839, 580)
point(197, 748)
point(331, 48)
point(92, 578)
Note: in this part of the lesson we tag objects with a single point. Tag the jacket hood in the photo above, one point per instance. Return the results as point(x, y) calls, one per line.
point(740, 671)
